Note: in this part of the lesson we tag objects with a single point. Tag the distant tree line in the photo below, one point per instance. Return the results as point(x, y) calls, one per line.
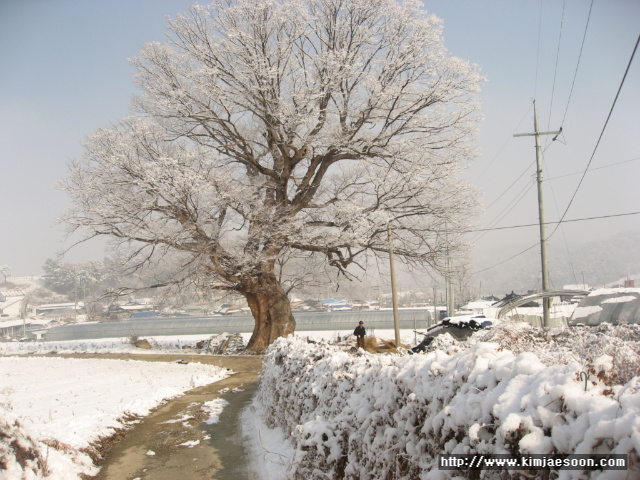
point(94, 277)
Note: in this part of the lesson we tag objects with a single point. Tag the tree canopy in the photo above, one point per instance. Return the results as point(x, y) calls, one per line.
point(270, 129)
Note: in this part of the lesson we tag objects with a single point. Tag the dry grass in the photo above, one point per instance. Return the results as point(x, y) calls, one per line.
point(14, 443)
point(380, 345)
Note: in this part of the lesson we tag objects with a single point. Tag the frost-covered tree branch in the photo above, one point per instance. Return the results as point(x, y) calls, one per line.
point(269, 127)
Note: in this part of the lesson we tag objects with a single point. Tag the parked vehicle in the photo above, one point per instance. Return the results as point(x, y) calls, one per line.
point(460, 327)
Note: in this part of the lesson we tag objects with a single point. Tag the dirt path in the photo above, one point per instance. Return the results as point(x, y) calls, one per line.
point(153, 448)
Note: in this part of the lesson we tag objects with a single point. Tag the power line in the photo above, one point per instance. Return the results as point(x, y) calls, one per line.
point(553, 223)
point(538, 243)
point(504, 213)
point(594, 169)
point(635, 48)
point(575, 74)
point(505, 261)
point(510, 186)
point(555, 71)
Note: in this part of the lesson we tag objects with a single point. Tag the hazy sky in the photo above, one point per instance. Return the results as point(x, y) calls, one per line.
point(64, 73)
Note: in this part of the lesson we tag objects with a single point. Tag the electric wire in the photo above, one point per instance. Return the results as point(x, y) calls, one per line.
point(573, 220)
point(573, 82)
point(494, 221)
point(504, 213)
point(592, 169)
point(604, 127)
point(510, 186)
point(555, 71)
point(566, 244)
point(564, 236)
point(553, 89)
point(562, 219)
point(508, 259)
point(575, 73)
point(538, 243)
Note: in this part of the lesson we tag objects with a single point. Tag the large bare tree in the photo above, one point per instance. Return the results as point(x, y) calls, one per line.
point(272, 129)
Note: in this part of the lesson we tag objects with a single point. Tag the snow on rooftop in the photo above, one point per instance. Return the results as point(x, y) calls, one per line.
point(613, 291)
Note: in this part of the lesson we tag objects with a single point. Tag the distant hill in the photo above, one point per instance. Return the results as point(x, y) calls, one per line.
point(597, 263)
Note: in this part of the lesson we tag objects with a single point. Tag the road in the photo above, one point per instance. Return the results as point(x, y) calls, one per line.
point(152, 448)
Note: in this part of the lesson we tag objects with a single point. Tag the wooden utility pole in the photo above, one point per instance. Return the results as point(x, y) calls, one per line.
point(546, 302)
point(436, 318)
point(451, 306)
point(394, 292)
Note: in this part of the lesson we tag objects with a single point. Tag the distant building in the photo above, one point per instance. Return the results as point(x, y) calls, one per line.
point(60, 308)
point(336, 305)
point(11, 302)
point(478, 307)
point(137, 307)
point(21, 328)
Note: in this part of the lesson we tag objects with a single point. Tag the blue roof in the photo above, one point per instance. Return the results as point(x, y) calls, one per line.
point(144, 314)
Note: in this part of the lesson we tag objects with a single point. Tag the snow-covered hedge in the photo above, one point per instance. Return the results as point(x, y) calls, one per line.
point(583, 345)
point(369, 416)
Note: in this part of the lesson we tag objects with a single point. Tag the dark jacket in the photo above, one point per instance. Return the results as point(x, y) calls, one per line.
point(360, 331)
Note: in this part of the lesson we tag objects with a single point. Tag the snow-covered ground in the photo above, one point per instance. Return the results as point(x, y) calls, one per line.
point(322, 407)
point(53, 409)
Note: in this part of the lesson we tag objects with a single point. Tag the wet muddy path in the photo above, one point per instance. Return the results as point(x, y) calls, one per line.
point(175, 441)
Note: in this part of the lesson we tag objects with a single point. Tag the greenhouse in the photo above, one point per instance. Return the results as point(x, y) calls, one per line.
point(163, 326)
point(608, 305)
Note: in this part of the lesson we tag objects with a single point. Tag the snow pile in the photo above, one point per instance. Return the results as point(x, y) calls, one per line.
point(53, 410)
point(390, 416)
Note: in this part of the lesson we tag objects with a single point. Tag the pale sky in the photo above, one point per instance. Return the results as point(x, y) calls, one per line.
point(64, 73)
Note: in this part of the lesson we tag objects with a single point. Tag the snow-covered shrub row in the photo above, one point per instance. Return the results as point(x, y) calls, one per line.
point(369, 416)
point(573, 344)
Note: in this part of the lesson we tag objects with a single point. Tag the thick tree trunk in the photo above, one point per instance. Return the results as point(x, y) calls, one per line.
point(271, 310)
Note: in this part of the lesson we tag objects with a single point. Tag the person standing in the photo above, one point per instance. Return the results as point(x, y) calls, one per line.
point(360, 332)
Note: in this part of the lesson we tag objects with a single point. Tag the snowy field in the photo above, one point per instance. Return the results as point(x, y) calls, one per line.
point(53, 409)
point(320, 408)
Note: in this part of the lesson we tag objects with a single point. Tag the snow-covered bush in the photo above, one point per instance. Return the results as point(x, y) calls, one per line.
point(389, 416)
point(584, 345)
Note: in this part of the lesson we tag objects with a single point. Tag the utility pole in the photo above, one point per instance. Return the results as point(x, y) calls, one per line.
point(447, 278)
point(394, 292)
point(450, 287)
point(546, 302)
point(436, 318)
